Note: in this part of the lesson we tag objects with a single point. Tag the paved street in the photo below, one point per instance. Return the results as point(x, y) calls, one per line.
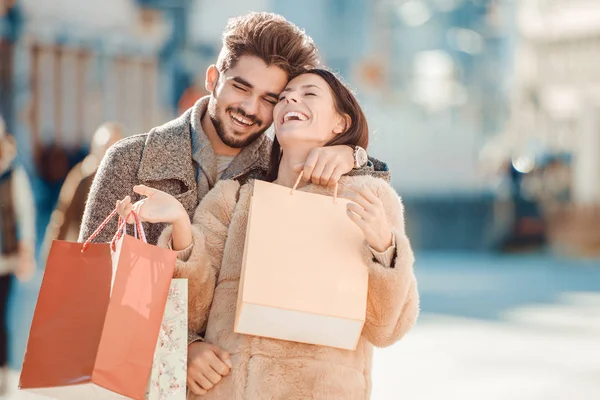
point(518, 328)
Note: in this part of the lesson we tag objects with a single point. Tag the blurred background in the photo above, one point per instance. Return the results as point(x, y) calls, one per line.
point(487, 112)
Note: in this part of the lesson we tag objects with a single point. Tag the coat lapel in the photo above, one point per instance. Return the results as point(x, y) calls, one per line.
point(167, 153)
point(254, 156)
point(202, 151)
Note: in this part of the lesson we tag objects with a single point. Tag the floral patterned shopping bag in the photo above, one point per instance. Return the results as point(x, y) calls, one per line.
point(169, 370)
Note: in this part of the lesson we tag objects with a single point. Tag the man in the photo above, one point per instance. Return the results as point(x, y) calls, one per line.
point(220, 137)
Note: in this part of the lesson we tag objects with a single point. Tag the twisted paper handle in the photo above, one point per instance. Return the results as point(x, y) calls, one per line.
point(122, 226)
point(335, 191)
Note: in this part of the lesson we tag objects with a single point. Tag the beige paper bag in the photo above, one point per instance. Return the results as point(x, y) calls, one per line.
point(303, 277)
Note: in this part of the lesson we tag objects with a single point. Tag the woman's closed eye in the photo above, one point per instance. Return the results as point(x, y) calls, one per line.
point(310, 94)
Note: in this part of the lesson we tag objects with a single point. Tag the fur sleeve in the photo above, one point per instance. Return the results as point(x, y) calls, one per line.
point(209, 233)
point(393, 299)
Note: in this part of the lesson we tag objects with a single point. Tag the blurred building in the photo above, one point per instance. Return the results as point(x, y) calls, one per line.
point(556, 111)
point(74, 66)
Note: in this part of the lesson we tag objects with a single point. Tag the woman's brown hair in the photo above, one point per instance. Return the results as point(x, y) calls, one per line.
point(345, 103)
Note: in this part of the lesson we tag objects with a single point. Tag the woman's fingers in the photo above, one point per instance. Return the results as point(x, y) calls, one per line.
point(144, 190)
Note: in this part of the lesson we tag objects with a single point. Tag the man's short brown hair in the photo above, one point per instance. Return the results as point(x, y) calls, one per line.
point(271, 38)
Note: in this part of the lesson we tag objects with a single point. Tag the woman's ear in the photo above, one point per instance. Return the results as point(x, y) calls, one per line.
point(343, 123)
point(212, 77)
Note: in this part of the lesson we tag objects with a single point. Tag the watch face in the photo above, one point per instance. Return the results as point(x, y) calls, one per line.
point(361, 157)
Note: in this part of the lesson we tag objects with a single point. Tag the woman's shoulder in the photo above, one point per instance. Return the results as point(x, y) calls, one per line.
point(226, 194)
point(222, 196)
point(379, 185)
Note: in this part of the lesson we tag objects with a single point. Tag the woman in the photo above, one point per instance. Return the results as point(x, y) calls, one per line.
point(314, 110)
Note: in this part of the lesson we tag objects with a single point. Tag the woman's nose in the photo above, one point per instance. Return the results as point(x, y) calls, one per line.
point(291, 98)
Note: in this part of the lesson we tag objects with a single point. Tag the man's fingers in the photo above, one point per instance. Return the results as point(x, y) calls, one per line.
point(317, 174)
point(326, 175)
point(309, 166)
point(335, 176)
point(298, 168)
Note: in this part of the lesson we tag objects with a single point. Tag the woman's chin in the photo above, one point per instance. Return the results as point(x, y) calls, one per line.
point(290, 136)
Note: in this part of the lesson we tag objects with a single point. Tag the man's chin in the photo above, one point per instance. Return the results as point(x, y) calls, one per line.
point(239, 141)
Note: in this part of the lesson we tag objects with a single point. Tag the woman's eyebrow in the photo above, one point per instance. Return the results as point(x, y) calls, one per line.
point(302, 87)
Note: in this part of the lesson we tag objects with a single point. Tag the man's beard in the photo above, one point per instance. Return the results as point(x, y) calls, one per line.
point(232, 140)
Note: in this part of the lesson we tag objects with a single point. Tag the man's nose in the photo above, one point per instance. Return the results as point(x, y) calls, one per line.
point(251, 106)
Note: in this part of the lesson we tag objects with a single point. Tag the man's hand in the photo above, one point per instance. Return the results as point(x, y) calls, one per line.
point(326, 165)
point(207, 365)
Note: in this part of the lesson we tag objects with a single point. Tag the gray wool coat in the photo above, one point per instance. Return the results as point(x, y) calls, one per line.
point(163, 159)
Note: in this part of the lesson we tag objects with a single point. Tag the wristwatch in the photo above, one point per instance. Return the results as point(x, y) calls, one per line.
point(360, 157)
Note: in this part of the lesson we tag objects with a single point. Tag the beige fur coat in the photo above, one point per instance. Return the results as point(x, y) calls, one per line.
point(272, 369)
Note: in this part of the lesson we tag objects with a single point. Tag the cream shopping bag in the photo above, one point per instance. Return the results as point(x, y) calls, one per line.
point(303, 276)
point(169, 370)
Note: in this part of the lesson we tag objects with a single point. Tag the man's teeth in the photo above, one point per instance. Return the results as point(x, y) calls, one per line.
point(241, 119)
point(292, 115)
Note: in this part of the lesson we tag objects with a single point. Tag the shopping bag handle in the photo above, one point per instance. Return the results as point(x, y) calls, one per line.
point(138, 228)
point(121, 225)
point(335, 191)
point(122, 229)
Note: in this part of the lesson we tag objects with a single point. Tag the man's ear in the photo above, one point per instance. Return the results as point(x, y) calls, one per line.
point(343, 123)
point(212, 77)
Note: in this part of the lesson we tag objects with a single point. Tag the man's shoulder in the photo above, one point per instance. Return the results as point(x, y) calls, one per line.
point(129, 145)
point(173, 133)
point(122, 159)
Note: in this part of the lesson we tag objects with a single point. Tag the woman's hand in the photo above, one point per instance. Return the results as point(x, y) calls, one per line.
point(368, 213)
point(159, 206)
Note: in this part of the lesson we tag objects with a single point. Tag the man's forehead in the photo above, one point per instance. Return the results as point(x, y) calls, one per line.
point(254, 73)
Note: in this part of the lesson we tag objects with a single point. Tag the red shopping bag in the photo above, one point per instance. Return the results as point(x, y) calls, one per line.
point(97, 318)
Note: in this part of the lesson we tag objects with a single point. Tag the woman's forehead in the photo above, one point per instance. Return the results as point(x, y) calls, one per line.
point(305, 80)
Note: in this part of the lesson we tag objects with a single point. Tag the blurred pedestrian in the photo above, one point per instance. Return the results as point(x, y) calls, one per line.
point(66, 218)
point(17, 233)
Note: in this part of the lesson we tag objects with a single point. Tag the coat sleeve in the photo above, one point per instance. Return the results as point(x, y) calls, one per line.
point(115, 179)
point(201, 267)
point(393, 299)
point(374, 168)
